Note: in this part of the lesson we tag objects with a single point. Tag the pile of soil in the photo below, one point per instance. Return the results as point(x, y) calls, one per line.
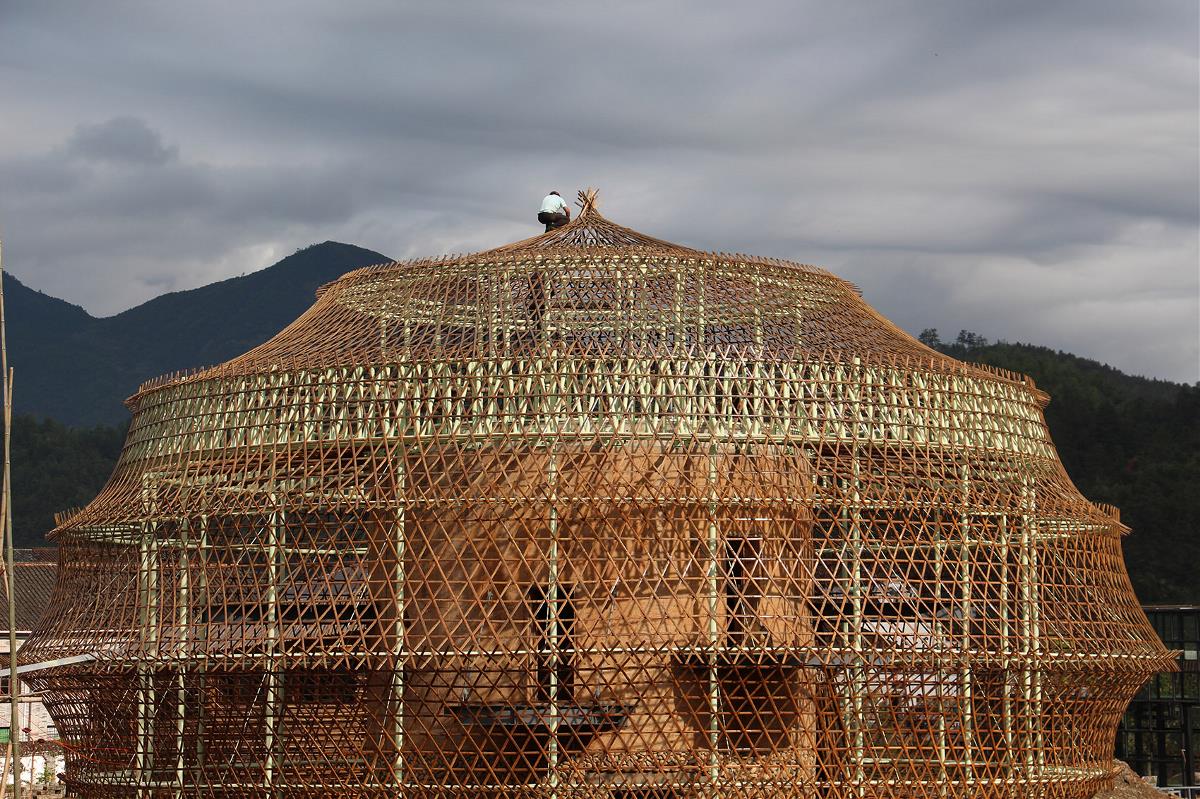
point(1128, 785)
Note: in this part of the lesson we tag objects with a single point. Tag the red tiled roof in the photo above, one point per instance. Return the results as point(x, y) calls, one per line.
point(34, 571)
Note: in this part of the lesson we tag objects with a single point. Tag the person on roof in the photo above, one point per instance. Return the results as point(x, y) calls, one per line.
point(555, 212)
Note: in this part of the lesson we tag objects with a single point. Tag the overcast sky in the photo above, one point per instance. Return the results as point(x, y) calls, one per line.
point(1026, 170)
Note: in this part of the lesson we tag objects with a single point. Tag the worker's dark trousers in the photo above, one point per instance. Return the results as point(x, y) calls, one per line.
point(552, 221)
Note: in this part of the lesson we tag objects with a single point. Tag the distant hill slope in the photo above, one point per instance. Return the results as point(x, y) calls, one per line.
point(78, 369)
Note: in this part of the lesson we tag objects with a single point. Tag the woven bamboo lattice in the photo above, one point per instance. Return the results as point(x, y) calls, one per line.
point(591, 515)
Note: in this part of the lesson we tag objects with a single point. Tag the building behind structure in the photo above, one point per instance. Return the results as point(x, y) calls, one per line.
point(1161, 727)
point(591, 515)
point(34, 572)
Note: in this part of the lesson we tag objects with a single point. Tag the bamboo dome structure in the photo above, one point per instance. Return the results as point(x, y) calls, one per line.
point(591, 515)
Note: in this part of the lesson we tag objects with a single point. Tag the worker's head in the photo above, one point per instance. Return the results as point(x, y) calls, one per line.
point(556, 194)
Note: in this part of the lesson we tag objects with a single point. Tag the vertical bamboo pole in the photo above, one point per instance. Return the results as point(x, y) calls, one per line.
point(14, 682)
point(201, 667)
point(939, 636)
point(184, 620)
point(273, 677)
point(1027, 650)
point(857, 607)
point(400, 575)
point(552, 622)
point(677, 312)
point(143, 591)
point(399, 633)
point(714, 641)
point(965, 673)
point(14, 690)
point(1006, 713)
point(148, 613)
point(711, 371)
point(153, 628)
point(551, 424)
point(1038, 709)
point(853, 706)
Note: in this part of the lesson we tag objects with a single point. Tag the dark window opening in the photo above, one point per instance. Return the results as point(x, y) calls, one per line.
point(545, 627)
point(743, 589)
point(320, 687)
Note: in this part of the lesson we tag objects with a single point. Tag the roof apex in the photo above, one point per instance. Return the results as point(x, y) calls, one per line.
point(590, 229)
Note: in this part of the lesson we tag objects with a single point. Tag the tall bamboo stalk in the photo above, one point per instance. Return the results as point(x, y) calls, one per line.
point(14, 726)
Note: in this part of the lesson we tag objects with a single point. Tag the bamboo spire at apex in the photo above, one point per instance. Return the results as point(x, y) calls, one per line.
point(588, 201)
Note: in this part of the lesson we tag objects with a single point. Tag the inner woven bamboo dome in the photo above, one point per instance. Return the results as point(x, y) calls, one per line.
point(591, 515)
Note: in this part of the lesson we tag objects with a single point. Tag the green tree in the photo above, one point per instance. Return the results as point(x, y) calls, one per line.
point(930, 338)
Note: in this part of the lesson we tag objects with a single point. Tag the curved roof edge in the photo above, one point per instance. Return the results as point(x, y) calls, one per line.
point(592, 234)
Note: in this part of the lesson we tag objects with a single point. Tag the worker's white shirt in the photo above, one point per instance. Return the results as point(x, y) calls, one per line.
point(553, 204)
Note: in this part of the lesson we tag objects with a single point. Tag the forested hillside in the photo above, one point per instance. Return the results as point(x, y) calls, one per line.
point(78, 369)
point(55, 467)
point(1127, 441)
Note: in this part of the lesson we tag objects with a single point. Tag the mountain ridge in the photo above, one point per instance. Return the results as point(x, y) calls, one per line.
point(79, 369)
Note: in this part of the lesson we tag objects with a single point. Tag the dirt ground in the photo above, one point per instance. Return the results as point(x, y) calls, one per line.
point(1129, 785)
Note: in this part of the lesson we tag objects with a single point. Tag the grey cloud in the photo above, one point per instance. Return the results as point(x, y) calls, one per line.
point(125, 140)
point(1028, 170)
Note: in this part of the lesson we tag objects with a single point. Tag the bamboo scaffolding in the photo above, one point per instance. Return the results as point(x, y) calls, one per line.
point(591, 515)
